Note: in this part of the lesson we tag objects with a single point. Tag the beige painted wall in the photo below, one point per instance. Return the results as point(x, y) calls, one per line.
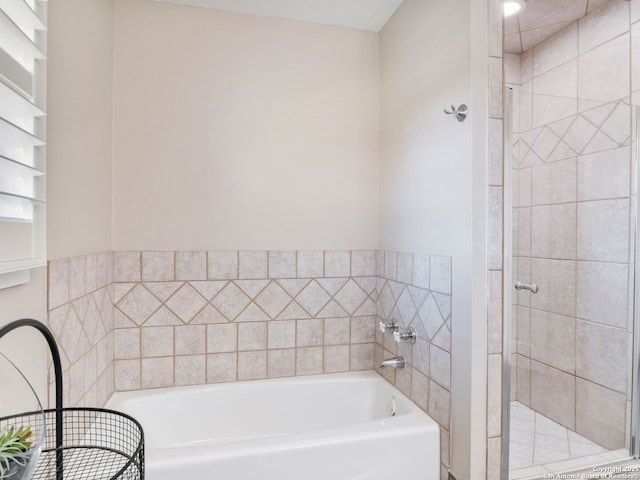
point(25, 347)
point(79, 168)
point(425, 165)
point(79, 133)
point(428, 181)
point(425, 173)
point(241, 132)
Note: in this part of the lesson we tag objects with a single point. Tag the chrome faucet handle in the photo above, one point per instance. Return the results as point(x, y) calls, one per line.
point(405, 335)
point(390, 326)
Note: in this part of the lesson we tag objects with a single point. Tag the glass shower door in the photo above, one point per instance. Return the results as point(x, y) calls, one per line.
point(572, 214)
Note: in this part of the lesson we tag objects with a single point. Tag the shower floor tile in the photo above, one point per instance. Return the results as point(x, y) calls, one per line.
point(538, 446)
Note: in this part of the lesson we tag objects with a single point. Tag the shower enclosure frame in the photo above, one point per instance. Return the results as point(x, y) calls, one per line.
point(634, 441)
point(507, 279)
point(508, 283)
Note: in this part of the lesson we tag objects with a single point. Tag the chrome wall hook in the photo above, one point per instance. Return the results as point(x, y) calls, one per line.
point(461, 112)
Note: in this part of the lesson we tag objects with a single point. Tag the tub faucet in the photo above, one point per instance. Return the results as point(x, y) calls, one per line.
point(395, 362)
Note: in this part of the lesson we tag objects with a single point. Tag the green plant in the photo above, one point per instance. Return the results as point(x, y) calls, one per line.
point(14, 447)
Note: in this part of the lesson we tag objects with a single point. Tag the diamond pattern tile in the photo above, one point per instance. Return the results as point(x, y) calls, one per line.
point(396, 289)
point(91, 319)
point(531, 159)
point(312, 298)
point(524, 151)
point(209, 315)
point(579, 134)
point(517, 149)
point(273, 299)
point(107, 310)
point(85, 325)
point(332, 309)
point(406, 307)
point(598, 115)
point(561, 126)
point(70, 335)
point(120, 320)
point(57, 318)
point(82, 347)
point(596, 129)
point(545, 143)
point(444, 304)
point(350, 297)
point(430, 317)
point(252, 313)
point(98, 297)
point(562, 152)
point(80, 305)
point(529, 137)
point(252, 287)
point(386, 300)
point(101, 332)
point(368, 284)
point(186, 302)
point(162, 290)
point(442, 339)
point(231, 301)
point(162, 317)
point(418, 295)
point(332, 285)
point(617, 125)
point(138, 304)
point(368, 308)
point(208, 289)
point(599, 143)
point(293, 287)
point(121, 289)
point(417, 324)
point(293, 311)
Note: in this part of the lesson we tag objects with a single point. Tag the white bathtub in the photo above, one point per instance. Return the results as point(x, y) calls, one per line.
point(324, 427)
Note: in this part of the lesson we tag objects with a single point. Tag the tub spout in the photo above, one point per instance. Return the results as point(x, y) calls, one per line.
point(395, 362)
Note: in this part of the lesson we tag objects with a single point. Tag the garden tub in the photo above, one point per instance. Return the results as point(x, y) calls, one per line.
point(322, 427)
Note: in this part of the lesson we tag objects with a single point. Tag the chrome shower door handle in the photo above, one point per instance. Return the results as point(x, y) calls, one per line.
point(533, 288)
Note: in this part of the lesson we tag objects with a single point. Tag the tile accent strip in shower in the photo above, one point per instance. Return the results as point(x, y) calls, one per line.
point(185, 318)
point(144, 319)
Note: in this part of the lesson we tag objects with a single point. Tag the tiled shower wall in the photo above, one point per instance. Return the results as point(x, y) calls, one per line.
point(130, 320)
point(572, 225)
point(416, 291)
point(185, 318)
point(80, 296)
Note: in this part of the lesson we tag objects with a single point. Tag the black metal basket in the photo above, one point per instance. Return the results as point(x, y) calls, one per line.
point(96, 444)
point(81, 443)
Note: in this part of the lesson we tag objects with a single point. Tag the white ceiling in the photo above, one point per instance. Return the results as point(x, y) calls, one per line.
point(371, 15)
point(541, 19)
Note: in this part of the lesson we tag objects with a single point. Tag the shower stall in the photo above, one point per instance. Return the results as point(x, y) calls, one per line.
point(572, 319)
point(571, 155)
